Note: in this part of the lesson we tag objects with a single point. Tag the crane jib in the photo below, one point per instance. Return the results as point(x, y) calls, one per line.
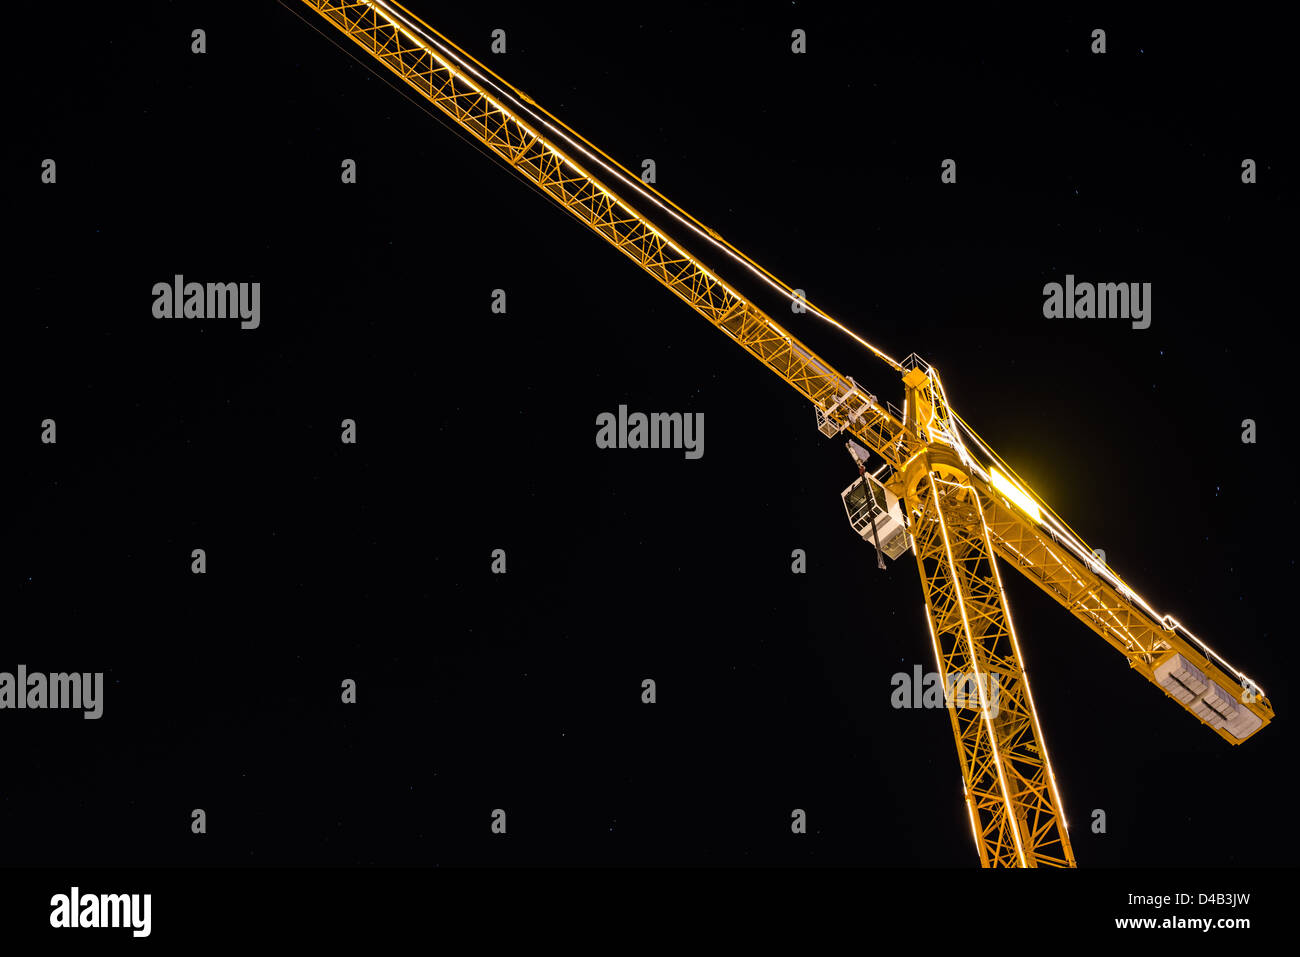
point(959, 509)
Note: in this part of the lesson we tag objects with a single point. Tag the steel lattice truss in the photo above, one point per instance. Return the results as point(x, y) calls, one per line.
point(957, 518)
point(557, 175)
point(1015, 811)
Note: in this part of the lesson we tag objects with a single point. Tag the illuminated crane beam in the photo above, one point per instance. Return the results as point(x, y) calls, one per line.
point(380, 29)
point(963, 507)
point(1014, 805)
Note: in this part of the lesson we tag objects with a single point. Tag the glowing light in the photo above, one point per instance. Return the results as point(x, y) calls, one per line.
point(970, 806)
point(1013, 491)
point(460, 66)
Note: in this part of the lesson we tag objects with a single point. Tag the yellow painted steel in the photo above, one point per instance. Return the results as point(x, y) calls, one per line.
point(377, 29)
point(958, 518)
point(1014, 805)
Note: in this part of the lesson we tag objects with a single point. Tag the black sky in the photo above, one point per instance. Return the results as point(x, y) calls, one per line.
point(477, 432)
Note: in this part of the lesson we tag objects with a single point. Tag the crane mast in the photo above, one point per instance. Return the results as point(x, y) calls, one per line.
point(959, 509)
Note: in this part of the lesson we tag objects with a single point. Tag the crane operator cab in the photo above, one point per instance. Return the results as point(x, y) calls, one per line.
point(873, 510)
point(865, 500)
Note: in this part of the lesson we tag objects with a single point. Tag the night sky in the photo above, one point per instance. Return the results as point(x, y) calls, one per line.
point(476, 431)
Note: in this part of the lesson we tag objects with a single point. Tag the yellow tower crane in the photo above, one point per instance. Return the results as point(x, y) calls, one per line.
point(940, 491)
